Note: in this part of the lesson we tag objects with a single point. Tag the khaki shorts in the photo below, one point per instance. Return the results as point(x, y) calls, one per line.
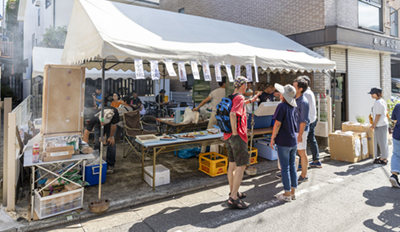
point(237, 150)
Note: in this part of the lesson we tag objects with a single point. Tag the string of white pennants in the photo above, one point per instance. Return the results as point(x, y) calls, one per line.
point(155, 73)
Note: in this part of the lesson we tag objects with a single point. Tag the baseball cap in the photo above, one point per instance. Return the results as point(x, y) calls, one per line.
point(239, 81)
point(375, 90)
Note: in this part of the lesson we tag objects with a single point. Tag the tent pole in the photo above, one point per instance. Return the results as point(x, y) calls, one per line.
point(163, 87)
point(333, 99)
point(103, 90)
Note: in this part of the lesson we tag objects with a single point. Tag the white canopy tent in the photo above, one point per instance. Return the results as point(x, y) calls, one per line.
point(109, 35)
point(42, 56)
point(121, 33)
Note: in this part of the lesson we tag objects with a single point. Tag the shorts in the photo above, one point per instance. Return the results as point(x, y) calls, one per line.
point(303, 145)
point(237, 150)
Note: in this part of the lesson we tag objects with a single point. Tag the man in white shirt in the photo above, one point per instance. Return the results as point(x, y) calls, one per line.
point(312, 142)
point(215, 97)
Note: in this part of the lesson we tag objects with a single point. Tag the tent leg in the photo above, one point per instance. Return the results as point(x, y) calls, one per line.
point(103, 92)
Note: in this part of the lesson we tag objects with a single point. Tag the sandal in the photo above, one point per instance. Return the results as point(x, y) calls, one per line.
point(240, 195)
point(384, 162)
point(377, 161)
point(380, 161)
point(237, 204)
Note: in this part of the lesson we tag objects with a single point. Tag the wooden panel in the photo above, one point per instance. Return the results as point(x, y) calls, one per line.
point(63, 98)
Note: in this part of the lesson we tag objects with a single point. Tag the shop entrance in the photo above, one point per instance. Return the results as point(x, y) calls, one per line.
point(340, 100)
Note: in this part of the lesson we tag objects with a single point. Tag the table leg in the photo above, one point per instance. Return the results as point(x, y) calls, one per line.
point(32, 191)
point(154, 168)
point(83, 179)
point(143, 154)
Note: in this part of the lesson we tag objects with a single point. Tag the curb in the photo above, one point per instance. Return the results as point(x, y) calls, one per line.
point(60, 220)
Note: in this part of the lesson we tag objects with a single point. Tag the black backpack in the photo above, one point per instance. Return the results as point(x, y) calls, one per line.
point(223, 111)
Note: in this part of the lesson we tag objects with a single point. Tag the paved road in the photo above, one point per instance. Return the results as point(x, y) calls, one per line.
point(338, 197)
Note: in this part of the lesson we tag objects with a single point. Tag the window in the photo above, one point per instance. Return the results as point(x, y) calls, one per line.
point(394, 22)
point(38, 16)
point(182, 10)
point(370, 14)
point(48, 3)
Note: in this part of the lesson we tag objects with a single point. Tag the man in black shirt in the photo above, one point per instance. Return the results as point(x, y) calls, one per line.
point(160, 98)
point(136, 103)
point(111, 119)
point(268, 94)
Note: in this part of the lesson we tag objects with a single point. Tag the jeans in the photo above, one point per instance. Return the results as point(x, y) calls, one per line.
point(287, 160)
point(111, 150)
point(313, 142)
point(395, 163)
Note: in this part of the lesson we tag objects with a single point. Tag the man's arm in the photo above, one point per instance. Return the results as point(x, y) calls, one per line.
point(111, 140)
point(301, 131)
point(233, 119)
point(86, 136)
point(98, 100)
point(202, 103)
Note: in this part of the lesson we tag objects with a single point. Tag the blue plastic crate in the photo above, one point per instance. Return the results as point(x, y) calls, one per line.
point(92, 174)
point(260, 121)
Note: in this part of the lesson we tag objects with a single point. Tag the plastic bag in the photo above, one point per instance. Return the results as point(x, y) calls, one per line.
point(189, 116)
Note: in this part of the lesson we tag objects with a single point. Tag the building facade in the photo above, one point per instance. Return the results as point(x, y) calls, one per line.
point(359, 35)
point(39, 15)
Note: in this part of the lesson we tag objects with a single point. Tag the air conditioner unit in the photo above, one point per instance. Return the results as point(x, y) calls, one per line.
point(37, 3)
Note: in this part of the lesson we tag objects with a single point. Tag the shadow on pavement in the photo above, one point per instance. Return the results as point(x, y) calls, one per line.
point(389, 220)
point(212, 215)
point(356, 169)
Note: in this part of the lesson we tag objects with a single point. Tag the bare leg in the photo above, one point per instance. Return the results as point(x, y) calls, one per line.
point(237, 180)
point(231, 174)
point(304, 162)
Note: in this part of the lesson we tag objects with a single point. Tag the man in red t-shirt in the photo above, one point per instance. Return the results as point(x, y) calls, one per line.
point(236, 143)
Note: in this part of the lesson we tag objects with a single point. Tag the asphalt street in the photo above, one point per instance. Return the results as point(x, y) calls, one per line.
point(339, 197)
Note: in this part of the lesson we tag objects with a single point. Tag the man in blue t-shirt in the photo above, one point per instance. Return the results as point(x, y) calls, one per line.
point(303, 123)
point(97, 97)
point(395, 163)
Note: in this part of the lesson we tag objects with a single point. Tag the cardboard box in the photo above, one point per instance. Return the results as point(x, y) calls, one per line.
point(345, 146)
point(361, 127)
point(47, 156)
point(364, 145)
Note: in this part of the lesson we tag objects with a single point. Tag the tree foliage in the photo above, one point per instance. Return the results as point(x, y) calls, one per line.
point(55, 37)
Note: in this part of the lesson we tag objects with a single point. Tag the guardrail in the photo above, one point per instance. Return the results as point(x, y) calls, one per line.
point(6, 49)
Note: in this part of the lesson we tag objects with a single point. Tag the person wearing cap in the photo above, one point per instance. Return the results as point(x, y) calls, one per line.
point(284, 136)
point(111, 119)
point(312, 114)
point(380, 126)
point(303, 125)
point(236, 143)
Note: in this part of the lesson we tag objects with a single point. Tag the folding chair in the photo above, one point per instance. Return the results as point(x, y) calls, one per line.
point(133, 126)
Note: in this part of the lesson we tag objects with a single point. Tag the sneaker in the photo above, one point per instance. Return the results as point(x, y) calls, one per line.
point(110, 169)
point(283, 197)
point(316, 164)
point(293, 197)
point(302, 179)
point(394, 179)
point(279, 176)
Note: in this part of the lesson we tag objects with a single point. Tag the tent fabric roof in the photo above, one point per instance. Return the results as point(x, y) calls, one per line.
point(118, 32)
point(42, 56)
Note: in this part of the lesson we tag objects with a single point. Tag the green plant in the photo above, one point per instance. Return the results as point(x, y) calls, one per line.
point(360, 119)
point(390, 107)
point(54, 37)
point(323, 116)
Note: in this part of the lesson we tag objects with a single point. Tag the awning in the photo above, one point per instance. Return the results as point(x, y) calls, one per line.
point(42, 56)
point(121, 33)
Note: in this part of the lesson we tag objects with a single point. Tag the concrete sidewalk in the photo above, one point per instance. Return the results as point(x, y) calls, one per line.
point(125, 187)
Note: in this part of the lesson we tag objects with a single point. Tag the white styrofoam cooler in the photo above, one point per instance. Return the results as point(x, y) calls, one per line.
point(264, 150)
point(162, 175)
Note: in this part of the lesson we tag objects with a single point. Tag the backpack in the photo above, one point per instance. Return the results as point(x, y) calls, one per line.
point(223, 111)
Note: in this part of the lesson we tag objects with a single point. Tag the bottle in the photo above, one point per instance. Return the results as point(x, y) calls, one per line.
point(35, 153)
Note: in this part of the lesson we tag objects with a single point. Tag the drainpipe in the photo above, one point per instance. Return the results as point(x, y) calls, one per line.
point(54, 13)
